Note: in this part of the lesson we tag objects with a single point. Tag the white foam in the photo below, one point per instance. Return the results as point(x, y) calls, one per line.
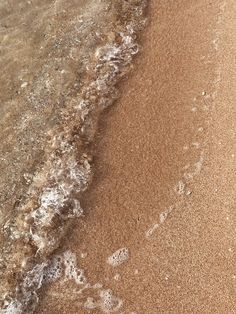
point(151, 230)
point(71, 269)
point(24, 84)
point(180, 187)
point(55, 269)
point(109, 303)
point(84, 254)
point(35, 277)
point(14, 307)
point(164, 215)
point(118, 257)
point(90, 304)
point(52, 197)
point(162, 218)
point(77, 210)
point(117, 277)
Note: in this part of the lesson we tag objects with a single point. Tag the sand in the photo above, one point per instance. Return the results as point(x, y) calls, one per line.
point(165, 174)
point(174, 123)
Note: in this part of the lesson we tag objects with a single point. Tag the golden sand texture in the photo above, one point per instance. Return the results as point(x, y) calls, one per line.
point(158, 230)
point(165, 174)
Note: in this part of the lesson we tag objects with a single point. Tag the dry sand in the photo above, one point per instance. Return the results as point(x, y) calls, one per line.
point(167, 146)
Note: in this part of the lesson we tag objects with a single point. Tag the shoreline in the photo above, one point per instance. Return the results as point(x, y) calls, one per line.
point(156, 227)
point(153, 191)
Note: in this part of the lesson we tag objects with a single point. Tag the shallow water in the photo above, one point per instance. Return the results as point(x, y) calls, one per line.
point(61, 62)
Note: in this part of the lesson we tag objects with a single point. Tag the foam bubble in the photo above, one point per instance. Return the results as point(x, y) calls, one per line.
point(90, 303)
point(35, 278)
point(14, 307)
point(110, 303)
point(152, 230)
point(52, 197)
point(117, 277)
point(180, 187)
point(164, 215)
point(55, 269)
point(71, 269)
point(118, 257)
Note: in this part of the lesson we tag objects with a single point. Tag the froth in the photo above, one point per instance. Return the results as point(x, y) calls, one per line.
point(64, 265)
point(118, 257)
point(44, 215)
point(71, 269)
point(108, 303)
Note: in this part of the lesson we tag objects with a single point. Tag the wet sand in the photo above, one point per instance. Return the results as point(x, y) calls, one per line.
point(166, 148)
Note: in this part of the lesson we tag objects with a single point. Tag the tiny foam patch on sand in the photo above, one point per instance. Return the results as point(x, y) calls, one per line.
point(108, 303)
point(118, 257)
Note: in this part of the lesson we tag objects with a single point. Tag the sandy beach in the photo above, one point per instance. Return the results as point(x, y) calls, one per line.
point(158, 230)
point(165, 172)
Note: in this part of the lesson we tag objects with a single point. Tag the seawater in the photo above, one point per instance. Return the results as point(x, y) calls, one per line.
point(80, 51)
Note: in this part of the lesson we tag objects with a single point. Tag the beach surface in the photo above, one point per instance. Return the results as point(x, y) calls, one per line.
point(163, 192)
point(155, 230)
